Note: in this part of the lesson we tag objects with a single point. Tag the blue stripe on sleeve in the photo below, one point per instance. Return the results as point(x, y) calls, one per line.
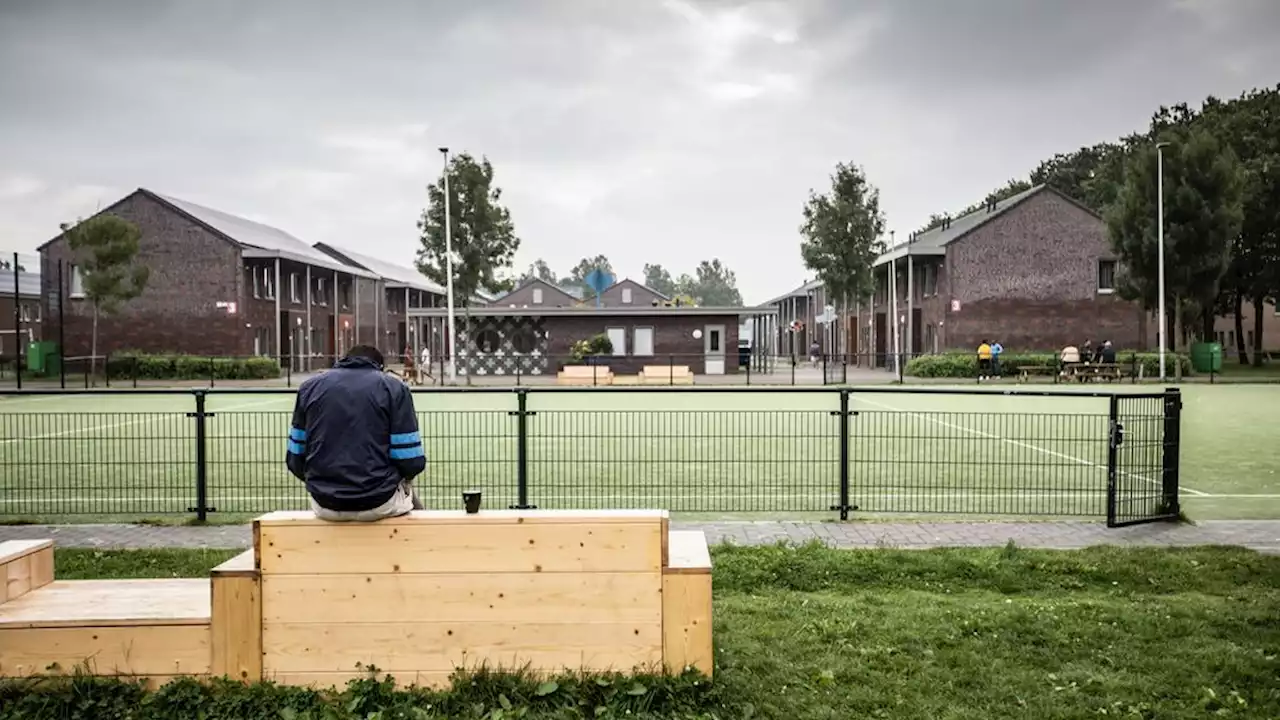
point(297, 434)
point(407, 453)
point(408, 438)
point(296, 448)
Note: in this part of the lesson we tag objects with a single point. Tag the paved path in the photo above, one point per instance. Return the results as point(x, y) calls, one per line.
point(1262, 535)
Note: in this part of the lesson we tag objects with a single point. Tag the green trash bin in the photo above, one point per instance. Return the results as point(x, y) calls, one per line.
point(1206, 357)
point(35, 357)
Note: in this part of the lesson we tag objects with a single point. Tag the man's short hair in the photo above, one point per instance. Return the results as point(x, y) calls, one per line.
point(368, 352)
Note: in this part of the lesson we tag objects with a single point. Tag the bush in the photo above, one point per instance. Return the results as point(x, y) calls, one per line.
point(143, 366)
point(965, 364)
point(592, 346)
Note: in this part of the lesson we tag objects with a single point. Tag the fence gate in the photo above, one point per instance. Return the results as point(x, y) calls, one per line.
point(1142, 458)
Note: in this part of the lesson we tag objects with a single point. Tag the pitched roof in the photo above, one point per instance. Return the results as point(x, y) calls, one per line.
point(249, 233)
point(935, 240)
point(398, 274)
point(801, 291)
point(642, 286)
point(536, 281)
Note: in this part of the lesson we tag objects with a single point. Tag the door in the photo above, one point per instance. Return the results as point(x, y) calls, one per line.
point(881, 335)
point(1142, 458)
point(917, 328)
point(285, 351)
point(713, 348)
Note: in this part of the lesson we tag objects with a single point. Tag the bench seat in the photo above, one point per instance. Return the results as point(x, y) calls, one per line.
point(666, 375)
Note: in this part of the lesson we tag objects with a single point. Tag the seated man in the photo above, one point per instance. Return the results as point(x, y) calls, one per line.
point(355, 442)
point(1107, 353)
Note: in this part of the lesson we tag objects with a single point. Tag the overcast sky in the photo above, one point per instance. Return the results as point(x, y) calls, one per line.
point(664, 131)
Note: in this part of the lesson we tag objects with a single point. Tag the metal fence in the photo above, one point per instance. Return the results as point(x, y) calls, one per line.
point(824, 451)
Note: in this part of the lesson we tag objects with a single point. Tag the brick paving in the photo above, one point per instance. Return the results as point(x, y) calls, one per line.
point(1261, 535)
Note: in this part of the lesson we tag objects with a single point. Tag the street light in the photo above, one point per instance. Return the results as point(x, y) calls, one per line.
point(1160, 250)
point(448, 255)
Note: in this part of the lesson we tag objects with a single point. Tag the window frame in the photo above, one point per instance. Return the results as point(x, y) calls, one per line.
point(294, 297)
point(626, 296)
point(608, 331)
point(1102, 263)
point(536, 296)
point(75, 283)
point(635, 344)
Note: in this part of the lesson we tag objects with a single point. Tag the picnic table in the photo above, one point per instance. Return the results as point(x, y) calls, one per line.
point(1087, 371)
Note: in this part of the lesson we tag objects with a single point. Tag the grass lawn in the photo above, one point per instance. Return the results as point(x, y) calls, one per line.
point(736, 454)
point(810, 633)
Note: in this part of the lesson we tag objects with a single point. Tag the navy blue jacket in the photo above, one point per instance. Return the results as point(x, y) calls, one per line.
point(354, 437)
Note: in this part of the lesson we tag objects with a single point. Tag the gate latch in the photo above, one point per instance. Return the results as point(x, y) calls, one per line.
point(1117, 434)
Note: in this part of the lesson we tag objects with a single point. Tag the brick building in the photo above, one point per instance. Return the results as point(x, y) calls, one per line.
point(220, 285)
point(504, 340)
point(20, 328)
point(629, 293)
point(1035, 272)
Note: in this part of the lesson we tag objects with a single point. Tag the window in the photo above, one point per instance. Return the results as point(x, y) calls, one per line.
point(344, 294)
point(294, 296)
point(523, 341)
point(537, 296)
point(930, 280)
point(644, 341)
point(255, 280)
point(268, 282)
point(713, 339)
point(626, 296)
point(318, 296)
point(487, 340)
point(618, 338)
point(77, 282)
point(261, 341)
point(1106, 276)
point(25, 313)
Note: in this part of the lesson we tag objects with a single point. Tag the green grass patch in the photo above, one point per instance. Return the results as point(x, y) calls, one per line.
point(810, 632)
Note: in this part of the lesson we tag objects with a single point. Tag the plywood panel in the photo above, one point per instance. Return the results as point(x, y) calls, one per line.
point(339, 680)
point(11, 550)
point(451, 517)
point(686, 622)
point(240, 564)
point(136, 650)
point(522, 598)
point(461, 548)
point(72, 603)
point(439, 646)
point(688, 552)
point(17, 577)
point(236, 625)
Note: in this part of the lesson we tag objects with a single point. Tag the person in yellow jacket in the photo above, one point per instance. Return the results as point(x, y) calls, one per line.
point(984, 360)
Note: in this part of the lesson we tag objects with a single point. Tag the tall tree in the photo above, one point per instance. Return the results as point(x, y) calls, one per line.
point(1202, 212)
point(1091, 175)
point(658, 278)
point(105, 248)
point(539, 270)
point(842, 232)
point(484, 237)
point(686, 287)
point(578, 275)
point(715, 285)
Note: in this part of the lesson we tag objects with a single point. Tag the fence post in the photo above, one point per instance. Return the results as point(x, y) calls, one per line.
point(211, 371)
point(1115, 435)
point(522, 450)
point(106, 369)
point(202, 464)
point(288, 372)
point(844, 507)
point(671, 370)
point(1172, 449)
point(134, 372)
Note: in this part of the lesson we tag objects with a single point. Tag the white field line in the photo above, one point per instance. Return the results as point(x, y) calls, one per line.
point(542, 499)
point(1019, 443)
point(128, 423)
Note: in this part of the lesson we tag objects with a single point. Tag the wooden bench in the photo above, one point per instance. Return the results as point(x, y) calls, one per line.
point(666, 375)
point(25, 565)
point(1026, 371)
point(417, 596)
point(585, 375)
point(1084, 372)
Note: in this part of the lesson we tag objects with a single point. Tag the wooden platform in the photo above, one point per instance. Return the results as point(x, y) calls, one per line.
point(585, 375)
point(416, 596)
point(666, 375)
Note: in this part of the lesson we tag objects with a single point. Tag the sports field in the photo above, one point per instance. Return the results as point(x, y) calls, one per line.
point(739, 453)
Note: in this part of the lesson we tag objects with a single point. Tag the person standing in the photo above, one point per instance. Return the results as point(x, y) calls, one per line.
point(354, 441)
point(984, 360)
point(996, 349)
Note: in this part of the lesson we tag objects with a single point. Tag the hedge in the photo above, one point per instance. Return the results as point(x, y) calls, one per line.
point(477, 694)
point(143, 366)
point(965, 365)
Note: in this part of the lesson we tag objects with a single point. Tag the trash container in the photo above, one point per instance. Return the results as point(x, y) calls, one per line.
point(1206, 357)
point(35, 357)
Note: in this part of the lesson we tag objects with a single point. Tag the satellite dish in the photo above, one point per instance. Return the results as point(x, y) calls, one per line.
point(599, 280)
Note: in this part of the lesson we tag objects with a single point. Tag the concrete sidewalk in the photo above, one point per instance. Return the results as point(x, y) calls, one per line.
point(1261, 535)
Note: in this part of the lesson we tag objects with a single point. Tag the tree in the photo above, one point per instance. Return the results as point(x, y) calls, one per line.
point(484, 237)
point(658, 278)
point(539, 270)
point(686, 287)
point(1091, 175)
point(7, 266)
point(105, 248)
point(578, 275)
point(715, 285)
point(842, 235)
point(1202, 211)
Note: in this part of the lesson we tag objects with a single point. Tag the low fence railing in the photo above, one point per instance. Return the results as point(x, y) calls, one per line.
point(696, 450)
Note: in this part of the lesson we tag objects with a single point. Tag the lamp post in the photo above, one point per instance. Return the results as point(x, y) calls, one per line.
point(448, 260)
point(1160, 252)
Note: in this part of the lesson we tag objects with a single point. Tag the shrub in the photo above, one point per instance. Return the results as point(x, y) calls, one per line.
point(143, 366)
point(592, 346)
point(965, 364)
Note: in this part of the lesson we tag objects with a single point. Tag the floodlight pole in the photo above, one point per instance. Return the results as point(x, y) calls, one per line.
point(448, 255)
point(1160, 251)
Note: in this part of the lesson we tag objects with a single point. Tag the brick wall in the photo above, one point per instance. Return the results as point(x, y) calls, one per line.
point(673, 339)
point(191, 270)
point(8, 346)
